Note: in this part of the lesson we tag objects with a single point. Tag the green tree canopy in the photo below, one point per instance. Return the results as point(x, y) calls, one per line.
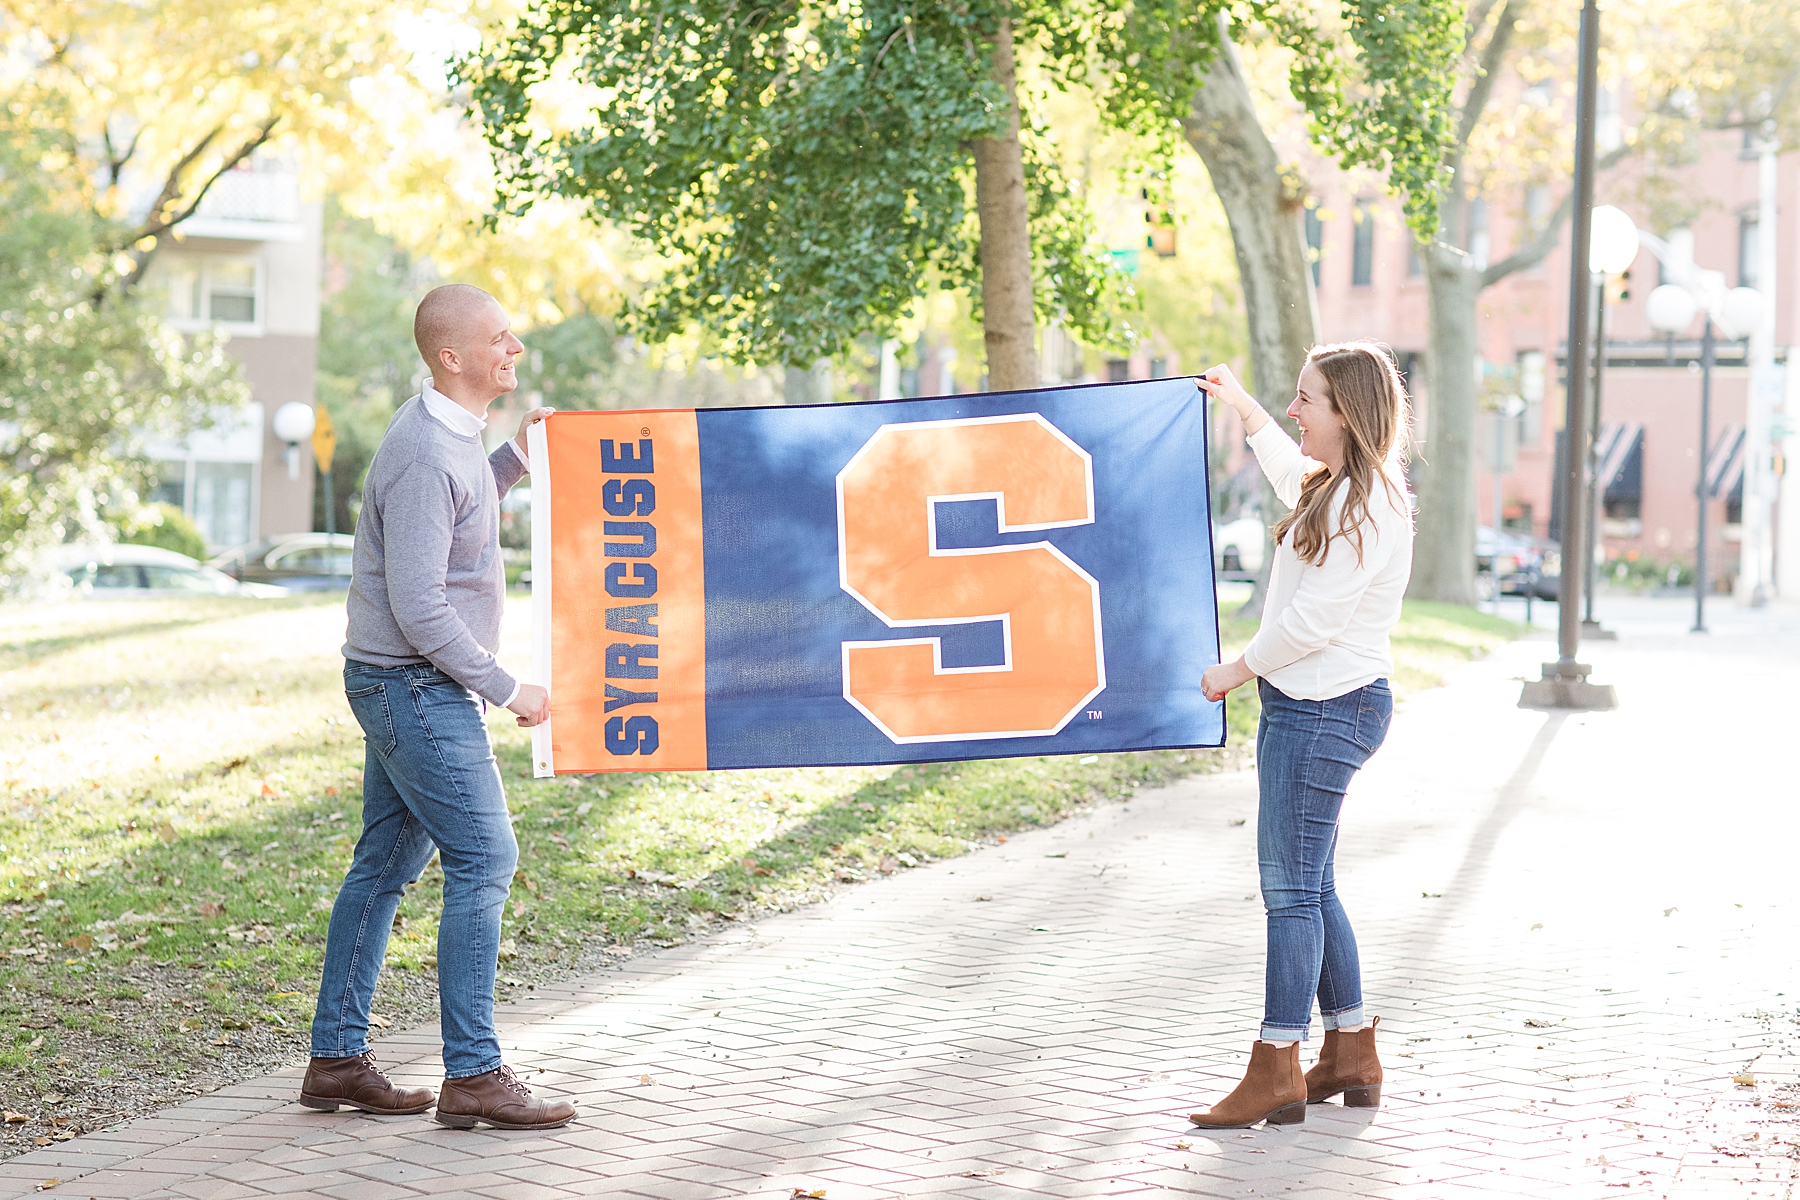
point(805, 168)
point(81, 383)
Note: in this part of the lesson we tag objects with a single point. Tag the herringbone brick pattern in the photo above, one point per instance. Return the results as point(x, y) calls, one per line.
point(1578, 930)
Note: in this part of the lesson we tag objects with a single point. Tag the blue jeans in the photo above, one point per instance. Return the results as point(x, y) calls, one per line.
point(430, 783)
point(1306, 753)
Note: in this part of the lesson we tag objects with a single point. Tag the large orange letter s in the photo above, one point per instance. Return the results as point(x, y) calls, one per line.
point(888, 559)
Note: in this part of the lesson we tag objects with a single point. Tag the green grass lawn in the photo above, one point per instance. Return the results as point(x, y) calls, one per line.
point(181, 785)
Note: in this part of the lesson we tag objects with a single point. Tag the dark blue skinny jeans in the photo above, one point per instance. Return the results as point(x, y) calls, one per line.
point(430, 784)
point(1306, 753)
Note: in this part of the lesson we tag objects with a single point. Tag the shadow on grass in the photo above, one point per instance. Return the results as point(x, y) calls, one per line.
point(18, 654)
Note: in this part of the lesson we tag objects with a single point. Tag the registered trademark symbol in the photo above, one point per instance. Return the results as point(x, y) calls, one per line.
point(645, 431)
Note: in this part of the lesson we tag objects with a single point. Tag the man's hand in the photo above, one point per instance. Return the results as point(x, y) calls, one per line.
point(1218, 679)
point(532, 704)
point(531, 418)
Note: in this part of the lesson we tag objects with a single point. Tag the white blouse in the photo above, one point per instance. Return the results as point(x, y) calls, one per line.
point(1325, 626)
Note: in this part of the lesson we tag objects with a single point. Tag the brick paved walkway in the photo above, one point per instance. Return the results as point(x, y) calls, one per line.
point(1579, 929)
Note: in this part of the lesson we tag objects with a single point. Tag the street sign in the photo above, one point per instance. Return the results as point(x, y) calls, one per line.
point(324, 439)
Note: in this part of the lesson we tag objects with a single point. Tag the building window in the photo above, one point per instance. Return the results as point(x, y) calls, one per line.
point(1531, 390)
point(1537, 208)
point(1681, 248)
point(1362, 248)
point(221, 509)
point(1407, 363)
point(203, 292)
point(1118, 370)
point(1747, 250)
point(1479, 242)
point(1315, 240)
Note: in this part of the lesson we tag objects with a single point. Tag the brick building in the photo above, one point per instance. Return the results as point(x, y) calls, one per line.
point(1370, 284)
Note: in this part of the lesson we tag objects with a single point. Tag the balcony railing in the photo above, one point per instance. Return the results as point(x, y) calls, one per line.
point(254, 205)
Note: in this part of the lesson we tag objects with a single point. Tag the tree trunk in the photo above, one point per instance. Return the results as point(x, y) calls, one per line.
point(1444, 469)
point(1008, 321)
point(1265, 235)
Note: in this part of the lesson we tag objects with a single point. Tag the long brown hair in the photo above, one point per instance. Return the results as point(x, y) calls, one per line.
point(1363, 387)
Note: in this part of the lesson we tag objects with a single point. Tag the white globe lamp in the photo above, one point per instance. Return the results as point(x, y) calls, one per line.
point(1740, 312)
point(293, 424)
point(1671, 308)
point(1612, 241)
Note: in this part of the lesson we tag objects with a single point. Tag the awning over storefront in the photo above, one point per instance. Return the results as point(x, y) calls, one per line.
point(1725, 465)
point(1620, 453)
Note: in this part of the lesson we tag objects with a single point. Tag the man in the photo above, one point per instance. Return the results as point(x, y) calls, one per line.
point(426, 591)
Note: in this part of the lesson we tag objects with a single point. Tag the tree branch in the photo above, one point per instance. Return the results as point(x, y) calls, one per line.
point(1550, 236)
point(160, 220)
point(1482, 88)
point(171, 188)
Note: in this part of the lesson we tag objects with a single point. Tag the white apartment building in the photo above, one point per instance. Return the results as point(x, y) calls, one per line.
point(248, 265)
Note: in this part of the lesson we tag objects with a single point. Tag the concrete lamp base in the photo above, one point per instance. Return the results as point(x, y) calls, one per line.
point(1565, 686)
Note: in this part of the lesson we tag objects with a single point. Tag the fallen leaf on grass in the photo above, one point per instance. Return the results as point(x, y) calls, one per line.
point(269, 791)
point(209, 909)
point(1746, 1079)
point(35, 1042)
point(584, 808)
point(166, 832)
point(888, 865)
point(16, 1118)
point(82, 941)
point(331, 791)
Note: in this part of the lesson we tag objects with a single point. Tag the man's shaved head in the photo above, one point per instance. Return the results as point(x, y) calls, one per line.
point(466, 340)
point(446, 318)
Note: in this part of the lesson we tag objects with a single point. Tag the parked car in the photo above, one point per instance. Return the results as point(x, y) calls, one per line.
point(299, 562)
point(1515, 564)
point(139, 572)
point(1238, 547)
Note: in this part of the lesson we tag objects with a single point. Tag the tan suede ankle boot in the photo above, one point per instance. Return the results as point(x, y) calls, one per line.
point(1347, 1064)
point(1272, 1090)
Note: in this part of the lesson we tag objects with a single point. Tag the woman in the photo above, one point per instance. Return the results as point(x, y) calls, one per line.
point(1343, 555)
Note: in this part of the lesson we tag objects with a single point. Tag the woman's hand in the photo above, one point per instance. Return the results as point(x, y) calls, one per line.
point(1222, 384)
point(1223, 677)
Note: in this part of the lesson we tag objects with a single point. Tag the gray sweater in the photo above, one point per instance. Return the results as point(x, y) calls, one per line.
point(427, 582)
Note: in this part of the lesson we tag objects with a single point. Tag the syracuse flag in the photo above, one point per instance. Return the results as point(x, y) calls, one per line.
point(977, 576)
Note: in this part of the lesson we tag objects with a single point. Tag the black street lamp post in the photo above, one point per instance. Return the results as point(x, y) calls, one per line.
point(1564, 683)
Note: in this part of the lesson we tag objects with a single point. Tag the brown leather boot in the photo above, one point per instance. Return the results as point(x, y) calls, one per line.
point(1347, 1064)
point(1272, 1090)
point(500, 1100)
point(358, 1082)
